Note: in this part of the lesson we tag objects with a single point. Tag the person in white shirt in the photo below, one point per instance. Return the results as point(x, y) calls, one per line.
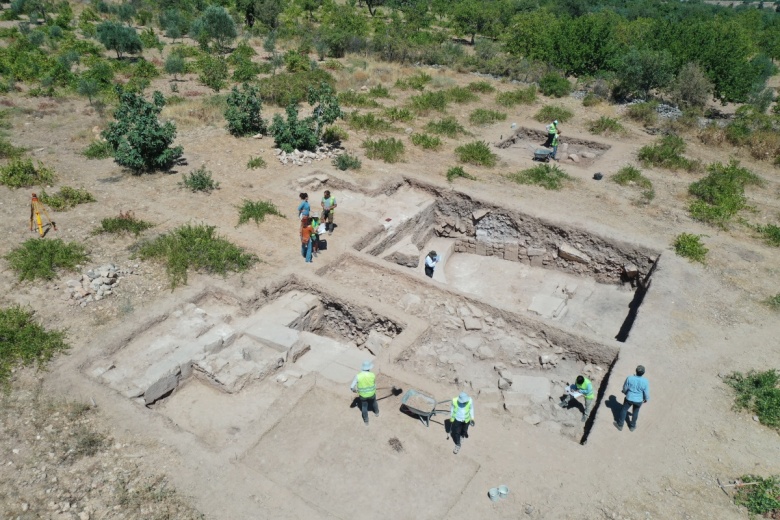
point(430, 263)
point(461, 417)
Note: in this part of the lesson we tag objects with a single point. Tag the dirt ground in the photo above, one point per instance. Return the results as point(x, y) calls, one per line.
point(274, 450)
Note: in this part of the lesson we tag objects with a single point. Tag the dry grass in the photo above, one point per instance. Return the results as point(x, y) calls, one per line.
point(194, 113)
point(764, 145)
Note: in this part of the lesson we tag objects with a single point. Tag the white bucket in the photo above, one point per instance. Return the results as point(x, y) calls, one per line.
point(493, 494)
point(503, 491)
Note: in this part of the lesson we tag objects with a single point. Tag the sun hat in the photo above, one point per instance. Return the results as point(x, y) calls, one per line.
point(463, 398)
point(367, 365)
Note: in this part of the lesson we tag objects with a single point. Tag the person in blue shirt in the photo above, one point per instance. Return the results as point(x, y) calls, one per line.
point(637, 391)
point(303, 208)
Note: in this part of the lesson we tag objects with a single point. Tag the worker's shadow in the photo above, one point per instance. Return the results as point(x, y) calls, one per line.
point(613, 404)
point(574, 403)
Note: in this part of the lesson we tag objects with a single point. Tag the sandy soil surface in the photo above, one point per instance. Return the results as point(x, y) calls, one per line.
point(301, 451)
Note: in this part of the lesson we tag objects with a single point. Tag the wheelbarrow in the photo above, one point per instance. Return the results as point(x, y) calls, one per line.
point(422, 405)
point(542, 155)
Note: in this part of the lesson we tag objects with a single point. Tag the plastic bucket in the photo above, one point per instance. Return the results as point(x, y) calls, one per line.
point(503, 491)
point(493, 494)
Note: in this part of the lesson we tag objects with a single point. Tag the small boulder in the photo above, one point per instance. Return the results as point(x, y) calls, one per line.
point(574, 157)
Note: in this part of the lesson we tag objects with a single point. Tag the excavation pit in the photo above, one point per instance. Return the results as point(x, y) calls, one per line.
point(571, 149)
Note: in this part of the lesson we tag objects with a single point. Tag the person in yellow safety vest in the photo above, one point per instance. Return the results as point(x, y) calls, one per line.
point(328, 207)
point(583, 387)
point(365, 386)
point(461, 417)
point(552, 131)
point(554, 154)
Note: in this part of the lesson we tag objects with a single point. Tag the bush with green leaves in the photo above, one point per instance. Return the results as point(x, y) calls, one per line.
point(645, 112)
point(294, 62)
point(759, 394)
point(351, 98)
point(770, 233)
point(25, 341)
point(66, 198)
point(389, 150)
point(554, 85)
point(140, 141)
point(347, 162)
point(175, 65)
point(631, 176)
point(721, 194)
point(691, 88)
point(98, 150)
point(378, 91)
point(394, 114)
point(477, 153)
point(591, 100)
point(334, 135)
point(426, 141)
point(255, 162)
point(427, 101)
point(304, 134)
point(553, 113)
point(482, 87)
point(606, 126)
point(549, 177)
point(215, 29)
point(195, 247)
point(667, 153)
point(37, 258)
point(460, 95)
point(22, 173)
point(483, 117)
point(199, 180)
point(760, 496)
point(8, 150)
point(457, 172)
point(447, 126)
point(119, 38)
point(285, 88)
point(257, 211)
point(416, 81)
point(689, 246)
point(243, 111)
point(773, 302)
point(126, 222)
point(213, 72)
point(370, 123)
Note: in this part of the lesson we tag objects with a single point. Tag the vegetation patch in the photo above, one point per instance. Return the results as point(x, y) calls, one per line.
point(631, 176)
point(762, 497)
point(477, 153)
point(351, 98)
point(416, 82)
point(195, 247)
point(290, 88)
point(721, 194)
point(460, 95)
point(606, 126)
point(40, 258)
point(256, 210)
point(426, 141)
point(398, 114)
point(759, 394)
point(520, 96)
point(98, 150)
point(427, 101)
point(25, 342)
point(255, 162)
point(481, 87)
point(334, 135)
point(347, 162)
point(21, 173)
point(549, 177)
point(66, 198)
point(554, 85)
point(770, 233)
point(388, 150)
point(199, 180)
point(457, 172)
point(553, 113)
point(447, 126)
point(243, 111)
point(689, 246)
point(9, 151)
point(774, 302)
point(645, 113)
point(370, 123)
point(482, 117)
point(667, 153)
point(379, 91)
point(125, 223)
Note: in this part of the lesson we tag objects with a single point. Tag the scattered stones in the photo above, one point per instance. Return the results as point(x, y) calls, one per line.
point(568, 252)
point(95, 284)
point(298, 158)
point(630, 271)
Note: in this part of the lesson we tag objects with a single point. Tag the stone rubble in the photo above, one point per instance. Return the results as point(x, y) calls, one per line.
point(299, 158)
point(94, 285)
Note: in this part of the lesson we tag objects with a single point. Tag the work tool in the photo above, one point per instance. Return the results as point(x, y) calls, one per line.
point(422, 405)
point(394, 391)
point(36, 208)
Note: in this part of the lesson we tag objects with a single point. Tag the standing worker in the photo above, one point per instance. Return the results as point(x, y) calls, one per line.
point(306, 238)
point(552, 131)
point(430, 263)
point(554, 154)
point(365, 386)
point(582, 387)
point(461, 417)
point(328, 206)
point(637, 391)
point(303, 207)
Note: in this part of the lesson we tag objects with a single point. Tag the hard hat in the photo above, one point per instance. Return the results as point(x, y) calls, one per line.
point(555, 122)
point(640, 370)
point(367, 365)
point(463, 398)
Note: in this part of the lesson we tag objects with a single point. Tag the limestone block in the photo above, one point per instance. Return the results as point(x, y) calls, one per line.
point(573, 254)
point(535, 251)
point(588, 155)
point(471, 342)
point(160, 388)
point(409, 301)
point(471, 323)
point(516, 404)
point(482, 248)
point(574, 157)
point(535, 388)
point(489, 395)
point(511, 250)
point(503, 384)
point(376, 342)
point(484, 352)
point(547, 306)
point(297, 350)
point(506, 374)
point(479, 214)
point(631, 271)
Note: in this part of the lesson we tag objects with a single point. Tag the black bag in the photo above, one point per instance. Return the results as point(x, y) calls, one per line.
point(323, 245)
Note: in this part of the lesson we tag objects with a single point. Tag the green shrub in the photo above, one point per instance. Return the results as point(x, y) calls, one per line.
point(124, 223)
point(606, 125)
point(199, 180)
point(447, 126)
point(645, 113)
point(482, 116)
point(667, 153)
point(552, 113)
point(460, 95)
point(591, 100)
point(195, 247)
point(334, 135)
point(774, 302)
point(215, 28)
point(37, 258)
point(369, 123)
point(416, 82)
point(284, 89)
point(66, 198)
point(26, 342)
point(255, 162)
point(9, 151)
point(770, 233)
point(520, 96)
point(243, 111)
point(554, 85)
point(98, 150)
point(483, 87)
point(457, 172)
point(246, 70)
point(141, 142)
point(294, 62)
point(256, 211)
point(762, 499)
point(379, 91)
point(759, 394)
point(119, 38)
point(213, 72)
point(21, 173)
point(427, 101)
point(630, 176)
point(351, 98)
point(544, 175)
point(398, 114)
point(304, 134)
point(347, 162)
point(425, 141)
point(721, 194)
point(477, 153)
point(388, 150)
point(689, 246)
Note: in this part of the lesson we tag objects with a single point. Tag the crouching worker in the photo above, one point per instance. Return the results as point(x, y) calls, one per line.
point(582, 387)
